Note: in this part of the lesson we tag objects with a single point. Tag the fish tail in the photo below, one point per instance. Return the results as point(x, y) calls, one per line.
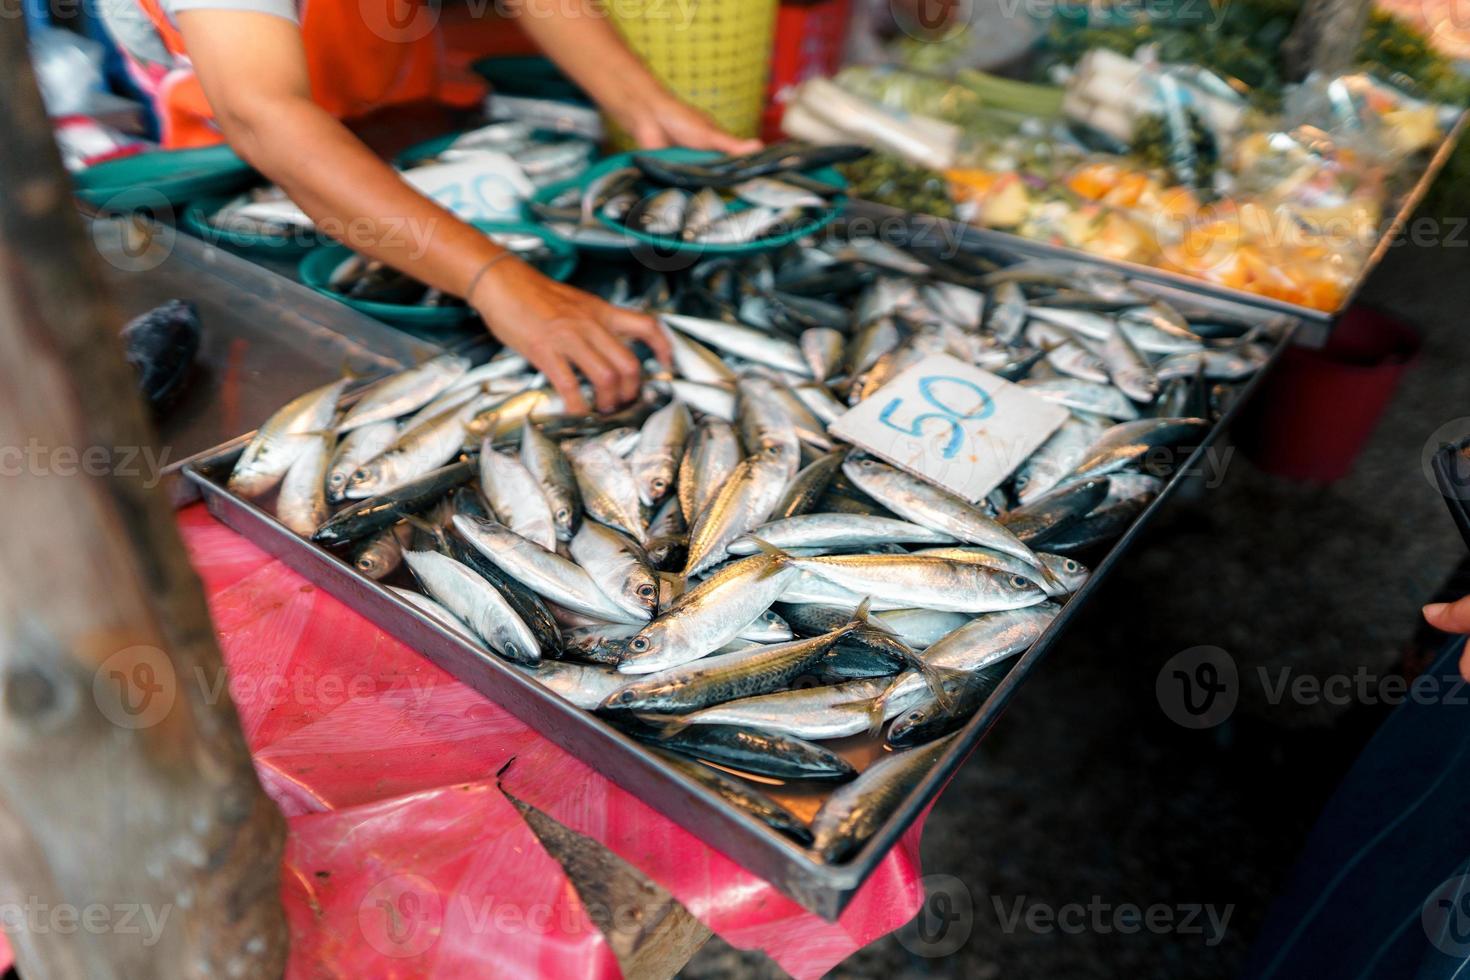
point(663, 726)
point(878, 710)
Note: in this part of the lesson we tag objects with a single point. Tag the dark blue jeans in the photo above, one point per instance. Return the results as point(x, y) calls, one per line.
point(1382, 888)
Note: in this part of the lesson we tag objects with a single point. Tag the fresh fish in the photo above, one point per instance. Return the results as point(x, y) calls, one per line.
point(372, 515)
point(609, 492)
point(476, 602)
point(601, 643)
point(283, 437)
point(709, 615)
point(302, 504)
point(379, 556)
point(1052, 511)
point(756, 670)
point(1218, 364)
point(983, 641)
point(437, 612)
point(739, 227)
point(1083, 396)
point(856, 810)
point(901, 581)
point(543, 572)
point(872, 341)
point(931, 718)
point(1153, 332)
point(697, 363)
point(808, 486)
point(712, 455)
point(837, 531)
point(745, 797)
point(769, 192)
point(744, 501)
point(1008, 313)
point(820, 401)
point(585, 685)
point(818, 713)
point(823, 348)
point(618, 567)
point(604, 187)
point(356, 448)
point(933, 507)
point(1062, 577)
point(425, 447)
point(1128, 442)
point(406, 392)
point(769, 754)
point(552, 471)
point(741, 341)
point(706, 209)
point(1101, 526)
point(661, 213)
point(500, 419)
point(716, 401)
point(659, 451)
point(1056, 458)
point(515, 497)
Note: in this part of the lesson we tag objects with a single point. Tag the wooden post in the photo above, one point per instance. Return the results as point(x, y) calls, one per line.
point(135, 840)
point(1325, 37)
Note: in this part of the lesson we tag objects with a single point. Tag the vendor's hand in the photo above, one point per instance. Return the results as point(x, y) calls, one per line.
point(564, 331)
point(1452, 617)
point(665, 121)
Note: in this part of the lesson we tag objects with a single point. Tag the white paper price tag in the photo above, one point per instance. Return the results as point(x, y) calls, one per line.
point(489, 187)
point(963, 428)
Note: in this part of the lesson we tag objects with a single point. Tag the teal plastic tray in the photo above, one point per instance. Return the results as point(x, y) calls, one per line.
point(316, 270)
point(195, 220)
point(176, 176)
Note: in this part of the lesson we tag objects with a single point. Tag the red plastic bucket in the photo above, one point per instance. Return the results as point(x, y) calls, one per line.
point(809, 39)
point(1317, 409)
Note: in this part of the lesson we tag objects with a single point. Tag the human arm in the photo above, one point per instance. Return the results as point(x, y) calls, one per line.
point(252, 67)
point(1452, 617)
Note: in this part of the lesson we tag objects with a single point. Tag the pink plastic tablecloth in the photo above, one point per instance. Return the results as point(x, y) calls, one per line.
point(404, 858)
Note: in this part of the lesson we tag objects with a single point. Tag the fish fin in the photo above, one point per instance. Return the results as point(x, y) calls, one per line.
point(771, 551)
point(877, 709)
point(437, 533)
point(663, 726)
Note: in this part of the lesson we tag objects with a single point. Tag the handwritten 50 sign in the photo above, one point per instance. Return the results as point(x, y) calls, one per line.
point(942, 419)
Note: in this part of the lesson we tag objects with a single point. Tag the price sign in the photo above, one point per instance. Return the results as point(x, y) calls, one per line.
point(953, 424)
point(489, 187)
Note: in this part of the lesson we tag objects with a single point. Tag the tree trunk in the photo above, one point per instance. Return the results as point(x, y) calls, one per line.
point(1325, 37)
point(135, 840)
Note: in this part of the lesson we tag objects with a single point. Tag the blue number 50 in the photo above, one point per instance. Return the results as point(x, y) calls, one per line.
point(946, 413)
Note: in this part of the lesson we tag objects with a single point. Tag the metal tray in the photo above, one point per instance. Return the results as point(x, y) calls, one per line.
point(822, 888)
point(990, 238)
point(266, 338)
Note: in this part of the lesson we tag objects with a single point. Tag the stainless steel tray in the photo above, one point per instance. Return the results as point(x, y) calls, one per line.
point(824, 889)
point(990, 238)
point(266, 338)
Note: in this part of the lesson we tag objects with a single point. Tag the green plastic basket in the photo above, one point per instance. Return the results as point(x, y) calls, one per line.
point(668, 244)
point(176, 176)
point(316, 270)
point(195, 220)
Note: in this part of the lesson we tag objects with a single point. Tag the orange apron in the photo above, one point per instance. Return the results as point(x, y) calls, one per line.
point(361, 55)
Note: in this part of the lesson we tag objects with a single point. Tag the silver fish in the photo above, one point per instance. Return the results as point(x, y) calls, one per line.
point(302, 504)
point(983, 641)
point(823, 348)
point(709, 615)
point(658, 453)
point(608, 490)
point(357, 447)
point(717, 401)
point(706, 209)
point(477, 603)
point(437, 611)
point(817, 713)
point(697, 363)
point(933, 507)
point(618, 567)
point(769, 192)
point(740, 227)
point(1055, 459)
point(380, 555)
point(406, 392)
point(842, 531)
point(515, 496)
point(856, 810)
point(551, 469)
point(713, 454)
point(419, 450)
point(744, 501)
point(662, 214)
point(585, 685)
point(282, 438)
point(1128, 442)
point(901, 581)
point(1083, 396)
point(543, 572)
point(742, 341)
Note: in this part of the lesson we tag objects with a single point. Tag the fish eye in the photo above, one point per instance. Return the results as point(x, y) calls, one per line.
point(647, 591)
point(1019, 581)
point(1071, 566)
point(626, 696)
point(562, 513)
point(659, 483)
point(638, 644)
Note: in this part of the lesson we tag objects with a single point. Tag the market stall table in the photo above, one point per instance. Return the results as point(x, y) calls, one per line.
point(407, 852)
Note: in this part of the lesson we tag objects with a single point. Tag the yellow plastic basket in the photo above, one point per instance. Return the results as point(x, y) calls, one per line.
point(714, 54)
